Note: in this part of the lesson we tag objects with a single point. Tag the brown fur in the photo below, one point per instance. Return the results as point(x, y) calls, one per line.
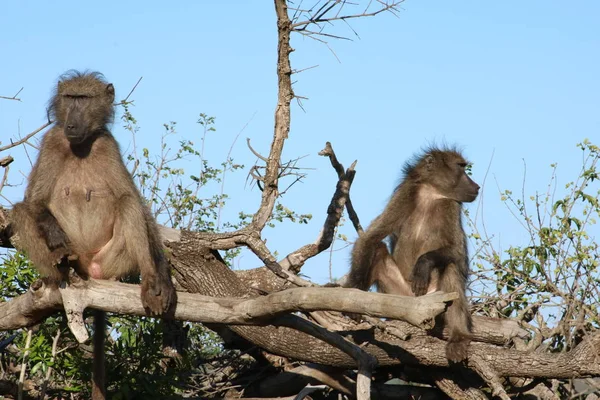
point(428, 243)
point(82, 201)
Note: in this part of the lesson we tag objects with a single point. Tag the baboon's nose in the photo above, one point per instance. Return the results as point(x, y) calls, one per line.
point(70, 127)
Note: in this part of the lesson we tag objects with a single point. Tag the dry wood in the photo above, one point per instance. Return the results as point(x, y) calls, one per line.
point(125, 299)
point(200, 270)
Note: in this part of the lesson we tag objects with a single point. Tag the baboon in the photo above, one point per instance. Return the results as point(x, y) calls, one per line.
point(427, 242)
point(82, 202)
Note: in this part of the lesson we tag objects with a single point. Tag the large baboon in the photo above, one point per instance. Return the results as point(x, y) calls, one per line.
point(427, 241)
point(81, 201)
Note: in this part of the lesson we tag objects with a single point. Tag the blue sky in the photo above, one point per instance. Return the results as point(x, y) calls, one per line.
point(510, 82)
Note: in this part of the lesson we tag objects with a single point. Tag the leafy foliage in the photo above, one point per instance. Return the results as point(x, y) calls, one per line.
point(551, 283)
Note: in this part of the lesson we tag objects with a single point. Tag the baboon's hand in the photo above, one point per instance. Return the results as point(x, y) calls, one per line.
point(420, 280)
point(157, 294)
point(421, 275)
point(51, 231)
point(419, 286)
point(56, 239)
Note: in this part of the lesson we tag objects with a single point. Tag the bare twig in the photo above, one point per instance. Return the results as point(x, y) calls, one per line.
point(13, 97)
point(256, 153)
point(24, 364)
point(26, 138)
point(320, 16)
point(297, 71)
point(124, 101)
point(49, 372)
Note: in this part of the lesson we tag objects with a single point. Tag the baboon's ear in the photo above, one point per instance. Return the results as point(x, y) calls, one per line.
point(429, 160)
point(110, 90)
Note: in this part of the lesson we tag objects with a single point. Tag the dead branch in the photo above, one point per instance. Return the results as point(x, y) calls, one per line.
point(125, 100)
point(5, 163)
point(297, 258)
point(326, 14)
point(489, 376)
point(123, 298)
point(293, 261)
point(201, 271)
point(282, 117)
point(190, 263)
point(454, 391)
point(26, 138)
point(13, 97)
point(339, 168)
point(306, 374)
point(256, 153)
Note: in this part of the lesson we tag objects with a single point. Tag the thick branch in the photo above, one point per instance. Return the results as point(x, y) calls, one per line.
point(125, 299)
point(201, 271)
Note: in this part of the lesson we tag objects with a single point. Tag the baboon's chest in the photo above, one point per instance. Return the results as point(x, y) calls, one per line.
point(420, 233)
point(84, 206)
point(423, 224)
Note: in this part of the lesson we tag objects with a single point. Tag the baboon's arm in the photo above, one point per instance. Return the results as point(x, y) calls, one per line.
point(451, 253)
point(421, 274)
point(39, 232)
point(42, 180)
point(46, 170)
point(386, 274)
point(138, 229)
point(130, 211)
point(392, 217)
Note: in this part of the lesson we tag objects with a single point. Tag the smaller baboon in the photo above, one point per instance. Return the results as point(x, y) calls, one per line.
point(427, 242)
point(82, 202)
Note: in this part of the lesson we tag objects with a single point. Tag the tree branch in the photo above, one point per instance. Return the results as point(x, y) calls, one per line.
point(26, 138)
point(13, 97)
point(123, 298)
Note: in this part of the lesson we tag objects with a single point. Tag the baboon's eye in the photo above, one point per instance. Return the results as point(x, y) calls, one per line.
point(462, 164)
point(77, 96)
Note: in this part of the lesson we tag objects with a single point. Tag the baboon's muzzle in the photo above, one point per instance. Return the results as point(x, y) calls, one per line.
point(75, 130)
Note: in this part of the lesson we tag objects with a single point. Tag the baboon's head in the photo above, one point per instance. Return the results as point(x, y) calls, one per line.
point(83, 105)
point(446, 171)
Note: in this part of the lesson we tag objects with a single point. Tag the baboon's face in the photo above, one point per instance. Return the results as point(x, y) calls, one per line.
point(83, 111)
point(448, 172)
point(466, 189)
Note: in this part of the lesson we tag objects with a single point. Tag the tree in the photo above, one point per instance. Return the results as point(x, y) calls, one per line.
point(251, 309)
